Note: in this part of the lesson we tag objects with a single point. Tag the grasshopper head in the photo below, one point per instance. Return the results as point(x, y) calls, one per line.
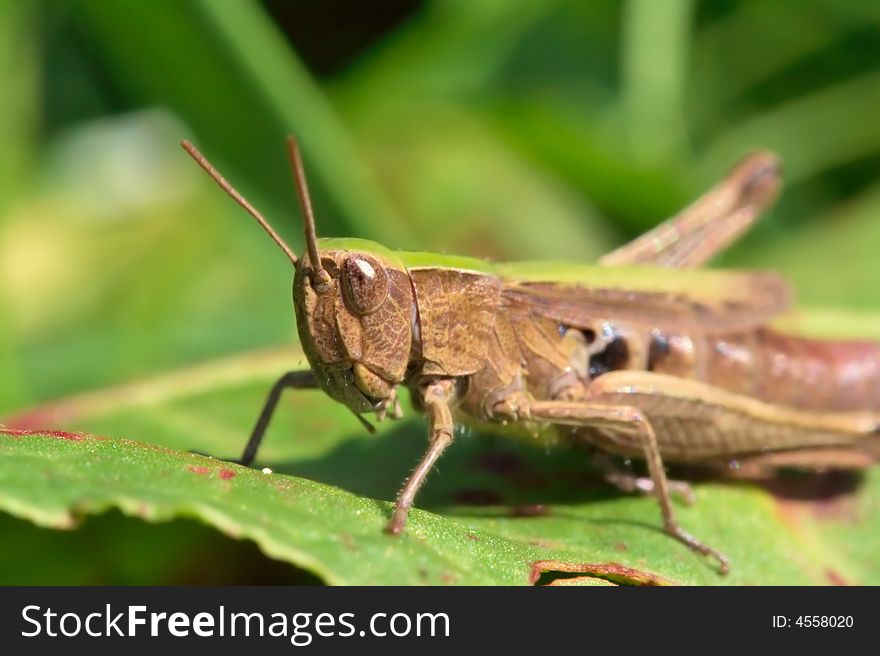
point(355, 322)
point(353, 300)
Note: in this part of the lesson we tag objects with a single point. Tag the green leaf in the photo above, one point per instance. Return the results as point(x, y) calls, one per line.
point(101, 550)
point(495, 512)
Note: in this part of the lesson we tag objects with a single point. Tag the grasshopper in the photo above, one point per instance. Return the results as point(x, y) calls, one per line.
point(642, 355)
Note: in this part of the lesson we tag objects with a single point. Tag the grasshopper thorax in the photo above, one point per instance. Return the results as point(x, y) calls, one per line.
point(355, 325)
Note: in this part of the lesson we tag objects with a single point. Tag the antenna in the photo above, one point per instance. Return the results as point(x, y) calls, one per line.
point(202, 161)
point(320, 277)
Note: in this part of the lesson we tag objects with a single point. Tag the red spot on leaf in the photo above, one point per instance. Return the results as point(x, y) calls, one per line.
point(64, 435)
point(198, 470)
point(31, 419)
point(835, 577)
point(226, 474)
point(471, 536)
point(348, 542)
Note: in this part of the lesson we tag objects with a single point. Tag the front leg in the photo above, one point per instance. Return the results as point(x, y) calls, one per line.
point(632, 422)
point(292, 380)
point(436, 399)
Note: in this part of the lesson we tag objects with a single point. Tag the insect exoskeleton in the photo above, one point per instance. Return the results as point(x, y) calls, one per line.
point(663, 363)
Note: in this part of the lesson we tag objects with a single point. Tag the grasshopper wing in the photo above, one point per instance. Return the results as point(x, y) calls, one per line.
point(696, 301)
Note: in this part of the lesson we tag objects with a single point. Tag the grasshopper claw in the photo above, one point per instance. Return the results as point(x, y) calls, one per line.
point(398, 520)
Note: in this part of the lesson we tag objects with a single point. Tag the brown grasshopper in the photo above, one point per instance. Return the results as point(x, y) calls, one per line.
point(642, 356)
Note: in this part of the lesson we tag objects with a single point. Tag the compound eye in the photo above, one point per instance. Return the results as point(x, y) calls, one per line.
point(364, 283)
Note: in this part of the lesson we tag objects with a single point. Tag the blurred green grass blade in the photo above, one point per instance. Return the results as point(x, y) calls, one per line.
point(828, 323)
point(474, 194)
point(831, 261)
point(795, 36)
point(19, 118)
point(293, 96)
point(19, 109)
point(447, 51)
point(225, 68)
point(182, 275)
point(572, 146)
point(655, 49)
point(813, 133)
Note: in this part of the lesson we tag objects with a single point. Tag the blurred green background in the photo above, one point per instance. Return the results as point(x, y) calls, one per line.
point(506, 130)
